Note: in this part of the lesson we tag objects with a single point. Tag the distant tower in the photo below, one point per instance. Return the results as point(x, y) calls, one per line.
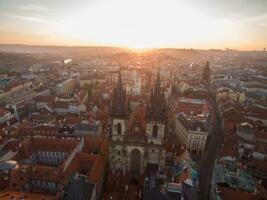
point(206, 73)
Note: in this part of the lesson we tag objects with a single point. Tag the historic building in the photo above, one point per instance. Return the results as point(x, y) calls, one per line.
point(192, 132)
point(56, 168)
point(137, 137)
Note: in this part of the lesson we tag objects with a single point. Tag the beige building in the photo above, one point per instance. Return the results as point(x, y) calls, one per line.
point(85, 81)
point(193, 133)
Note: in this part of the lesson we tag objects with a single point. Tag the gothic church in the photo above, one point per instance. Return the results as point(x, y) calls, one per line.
point(137, 137)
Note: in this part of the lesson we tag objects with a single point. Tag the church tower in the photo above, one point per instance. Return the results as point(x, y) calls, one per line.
point(119, 118)
point(155, 127)
point(119, 112)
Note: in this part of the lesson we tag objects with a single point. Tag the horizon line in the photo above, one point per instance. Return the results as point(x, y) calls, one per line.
point(128, 48)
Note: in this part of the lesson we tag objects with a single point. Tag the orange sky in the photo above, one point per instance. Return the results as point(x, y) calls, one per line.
point(136, 24)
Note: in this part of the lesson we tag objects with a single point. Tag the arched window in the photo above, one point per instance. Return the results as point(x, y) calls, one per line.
point(155, 131)
point(119, 128)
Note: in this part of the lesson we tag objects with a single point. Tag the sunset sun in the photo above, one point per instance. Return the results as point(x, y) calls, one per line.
point(143, 24)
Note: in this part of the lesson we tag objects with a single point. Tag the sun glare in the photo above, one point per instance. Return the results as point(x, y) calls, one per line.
point(142, 24)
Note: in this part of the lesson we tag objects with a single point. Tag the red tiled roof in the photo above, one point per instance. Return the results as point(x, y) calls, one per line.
point(7, 195)
point(137, 125)
point(117, 187)
point(260, 134)
point(97, 173)
point(61, 104)
point(25, 131)
point(46, 130)
point(12, 85)
point(12, 146)
point(187, 108)
point(45, 173)
point(44, 99)
point(3, 111)
point(31, 145)
point(172, 145)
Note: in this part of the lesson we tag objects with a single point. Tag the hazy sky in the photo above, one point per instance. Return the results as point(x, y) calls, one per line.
point(240, 24)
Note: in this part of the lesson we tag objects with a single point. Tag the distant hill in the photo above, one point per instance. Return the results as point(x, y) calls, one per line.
point(93, 50)
point(21, 61)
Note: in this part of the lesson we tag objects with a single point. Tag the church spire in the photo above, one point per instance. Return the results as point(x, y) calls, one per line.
point(157, 90)
point(119, 84)
point(157, 101)
point(119, 107)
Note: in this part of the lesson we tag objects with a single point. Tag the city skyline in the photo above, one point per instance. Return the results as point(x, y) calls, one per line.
point(136, 24)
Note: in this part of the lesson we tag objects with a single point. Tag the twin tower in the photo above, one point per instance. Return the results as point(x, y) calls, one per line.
point(137, 137)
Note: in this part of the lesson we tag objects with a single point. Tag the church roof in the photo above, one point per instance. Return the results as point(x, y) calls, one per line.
point(137, 125)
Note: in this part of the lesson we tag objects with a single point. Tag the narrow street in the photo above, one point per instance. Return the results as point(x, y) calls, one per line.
point(208, 160)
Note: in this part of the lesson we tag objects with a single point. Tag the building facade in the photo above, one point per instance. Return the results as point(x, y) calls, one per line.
point(192, 133)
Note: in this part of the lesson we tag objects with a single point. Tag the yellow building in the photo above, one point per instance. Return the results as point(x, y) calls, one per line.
point(224, 92)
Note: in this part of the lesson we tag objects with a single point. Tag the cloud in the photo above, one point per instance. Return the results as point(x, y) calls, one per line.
point(234, 9)
point(9, 26)
point(31, 19)
point(33, 7)
point(258, 20)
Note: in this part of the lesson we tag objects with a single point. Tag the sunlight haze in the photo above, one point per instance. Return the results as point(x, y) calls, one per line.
point(136, 24)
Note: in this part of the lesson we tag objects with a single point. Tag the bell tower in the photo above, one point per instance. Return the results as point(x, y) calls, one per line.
point(155, 127)
point(119, 118)
point(119, 112)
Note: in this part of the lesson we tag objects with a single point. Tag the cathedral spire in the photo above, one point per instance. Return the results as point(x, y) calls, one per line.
point(157, 91)
point(119, 84)
point(158, 81)
point(119, 107)
point(157, 101)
